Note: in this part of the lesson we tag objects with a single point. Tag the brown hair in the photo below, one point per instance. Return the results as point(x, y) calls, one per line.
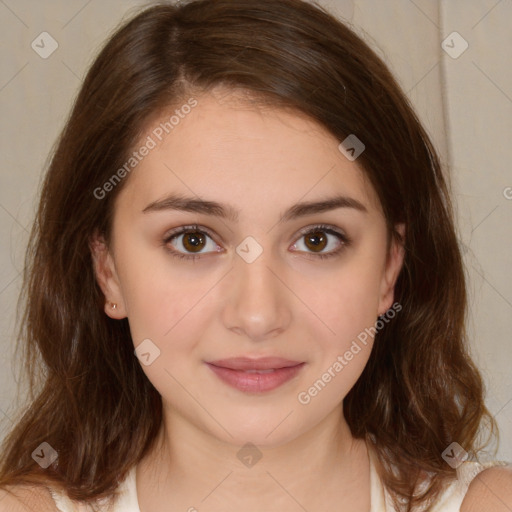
point(89, 398)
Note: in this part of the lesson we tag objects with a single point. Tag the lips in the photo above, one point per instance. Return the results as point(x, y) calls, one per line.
point(255, 375)
point(248, 364)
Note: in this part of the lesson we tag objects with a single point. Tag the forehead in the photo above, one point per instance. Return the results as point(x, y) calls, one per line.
point(238, 151)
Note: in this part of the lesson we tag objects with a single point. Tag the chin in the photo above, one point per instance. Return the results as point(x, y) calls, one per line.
point(263, 429)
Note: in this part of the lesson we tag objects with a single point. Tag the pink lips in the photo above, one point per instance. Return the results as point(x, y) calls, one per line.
point(255, 375)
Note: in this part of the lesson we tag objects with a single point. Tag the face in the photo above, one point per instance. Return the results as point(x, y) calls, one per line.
point(269, 279)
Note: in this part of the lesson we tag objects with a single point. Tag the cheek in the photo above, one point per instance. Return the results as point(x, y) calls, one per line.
point(346, 303)
point(162, 301)
point(168, 311)
point(348, 311)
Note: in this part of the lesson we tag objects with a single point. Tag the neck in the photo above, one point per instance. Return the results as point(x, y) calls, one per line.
point(190, 463)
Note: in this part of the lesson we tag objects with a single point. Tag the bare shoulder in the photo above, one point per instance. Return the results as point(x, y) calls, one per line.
point(490, 490)
point(21, 498)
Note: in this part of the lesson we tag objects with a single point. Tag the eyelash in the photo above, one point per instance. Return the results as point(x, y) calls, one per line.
point(346, 241)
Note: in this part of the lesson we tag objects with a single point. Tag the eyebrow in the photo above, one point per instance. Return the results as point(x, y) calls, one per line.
point(191, 204)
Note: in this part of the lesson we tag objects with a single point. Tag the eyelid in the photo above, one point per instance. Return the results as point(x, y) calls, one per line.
point(169, 235)
point(327, 228)
point(345, 240)
point(184, 229)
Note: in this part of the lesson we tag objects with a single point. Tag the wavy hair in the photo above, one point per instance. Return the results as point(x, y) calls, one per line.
point(88, 396)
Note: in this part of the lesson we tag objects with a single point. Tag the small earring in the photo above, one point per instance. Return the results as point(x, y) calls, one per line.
point(113, 306)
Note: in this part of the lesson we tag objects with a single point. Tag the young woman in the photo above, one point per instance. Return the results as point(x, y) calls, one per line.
point(244, 289)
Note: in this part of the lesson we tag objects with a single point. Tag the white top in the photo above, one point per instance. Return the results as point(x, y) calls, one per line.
point(449, 501)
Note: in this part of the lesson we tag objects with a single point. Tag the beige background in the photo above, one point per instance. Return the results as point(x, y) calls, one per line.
point(465, 103)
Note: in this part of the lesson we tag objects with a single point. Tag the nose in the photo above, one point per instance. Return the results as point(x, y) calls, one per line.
point(259, 302)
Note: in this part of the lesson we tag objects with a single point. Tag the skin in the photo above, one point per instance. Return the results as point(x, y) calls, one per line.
point(287, 303)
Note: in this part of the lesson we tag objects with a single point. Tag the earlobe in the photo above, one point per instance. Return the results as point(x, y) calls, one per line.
point(106, 276)
point(394, 264)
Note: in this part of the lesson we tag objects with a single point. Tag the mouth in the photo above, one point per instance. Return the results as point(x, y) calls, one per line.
point(255, 375)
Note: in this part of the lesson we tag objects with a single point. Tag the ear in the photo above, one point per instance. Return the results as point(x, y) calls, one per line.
point(394, 263)
point(106, 275)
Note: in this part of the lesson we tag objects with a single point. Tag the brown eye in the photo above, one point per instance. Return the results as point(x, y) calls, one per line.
point(189, 241)
point(316, 241)
point(193, 241)
point(318, 238)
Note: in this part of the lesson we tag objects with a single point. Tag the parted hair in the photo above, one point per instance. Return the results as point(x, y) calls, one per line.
point(88, 397)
